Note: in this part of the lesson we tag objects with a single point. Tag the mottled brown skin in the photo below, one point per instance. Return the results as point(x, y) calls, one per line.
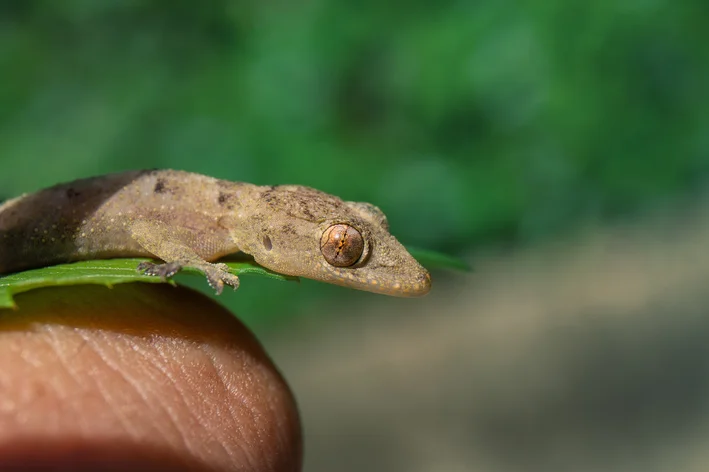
point(190, 220)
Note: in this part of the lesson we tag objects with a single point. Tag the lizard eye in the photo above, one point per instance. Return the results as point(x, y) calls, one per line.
point(341, 245)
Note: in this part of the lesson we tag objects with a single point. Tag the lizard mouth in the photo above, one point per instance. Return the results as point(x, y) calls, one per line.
point(420, 287)
point(412, 286)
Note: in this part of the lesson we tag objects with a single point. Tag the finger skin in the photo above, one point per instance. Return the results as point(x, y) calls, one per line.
point(138, 377)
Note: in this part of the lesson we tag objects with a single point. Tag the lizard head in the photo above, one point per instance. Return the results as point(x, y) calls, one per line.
point(301, 231)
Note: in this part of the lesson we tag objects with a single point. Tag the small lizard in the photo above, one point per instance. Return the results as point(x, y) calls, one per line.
point(191, 220)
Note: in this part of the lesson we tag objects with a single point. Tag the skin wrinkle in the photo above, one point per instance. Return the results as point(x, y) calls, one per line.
point(166, 408)
point(152, 359)
point(141, 392)
point(82, 345)
point(238, 425)
point(249, 453)
point(254, 413)
point(272, 432)
point(187, 404)
point(264, 433)
point(234, 393)
point(112, 400)
point(203, 401)
point(56, 345)
point(120, 375)
point(30, 358)
point(35, 394)
point(217, 441)
point(6, 404)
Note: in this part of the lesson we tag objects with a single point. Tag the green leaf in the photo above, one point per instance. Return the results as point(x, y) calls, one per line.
point(104, 272)
point(116, 271)
point(438, 260)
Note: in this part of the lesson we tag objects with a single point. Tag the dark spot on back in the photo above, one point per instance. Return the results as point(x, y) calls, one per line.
point(226, 199)
point(160, 186)
point(267, 196)
point(306, 211)
point(71, 192)
point(288, 229)
point(304, 208)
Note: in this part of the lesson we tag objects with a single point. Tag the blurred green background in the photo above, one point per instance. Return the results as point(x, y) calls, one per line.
point(471, 123)
point(479, 127)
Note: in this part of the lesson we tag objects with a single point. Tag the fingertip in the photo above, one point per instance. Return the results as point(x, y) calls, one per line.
point(142, 366)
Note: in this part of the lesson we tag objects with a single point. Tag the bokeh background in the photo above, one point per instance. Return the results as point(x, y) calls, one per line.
point(562, 148)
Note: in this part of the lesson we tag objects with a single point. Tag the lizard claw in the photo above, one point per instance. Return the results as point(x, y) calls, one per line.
point(217, 274)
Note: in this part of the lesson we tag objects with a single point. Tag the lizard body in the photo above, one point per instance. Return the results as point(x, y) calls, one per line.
point(191, 220)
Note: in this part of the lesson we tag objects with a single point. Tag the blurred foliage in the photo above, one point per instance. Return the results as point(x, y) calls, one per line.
point(469, 122)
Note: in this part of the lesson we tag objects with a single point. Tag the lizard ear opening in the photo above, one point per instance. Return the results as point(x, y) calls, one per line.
point(341, 245)
point(370, 213)
point(267, 243)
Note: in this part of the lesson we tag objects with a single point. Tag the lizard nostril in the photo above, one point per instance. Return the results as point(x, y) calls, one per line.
point(424, 283)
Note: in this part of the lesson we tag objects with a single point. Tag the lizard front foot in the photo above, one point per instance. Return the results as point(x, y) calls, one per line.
point(217, 274)
point(164, 271)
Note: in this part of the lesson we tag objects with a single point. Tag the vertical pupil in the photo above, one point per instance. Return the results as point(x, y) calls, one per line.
point(341, 238)
point(341, 245)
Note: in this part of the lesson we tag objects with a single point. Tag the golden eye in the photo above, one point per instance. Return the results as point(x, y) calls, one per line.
point(341, 245)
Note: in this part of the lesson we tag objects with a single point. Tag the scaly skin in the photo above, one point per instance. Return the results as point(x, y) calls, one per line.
point(190, 220)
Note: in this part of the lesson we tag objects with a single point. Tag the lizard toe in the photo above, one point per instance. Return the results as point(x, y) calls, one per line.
point(164, 270)
point(218, 275)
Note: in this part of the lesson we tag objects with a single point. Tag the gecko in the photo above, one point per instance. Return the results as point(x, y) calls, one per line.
point(188, 220)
